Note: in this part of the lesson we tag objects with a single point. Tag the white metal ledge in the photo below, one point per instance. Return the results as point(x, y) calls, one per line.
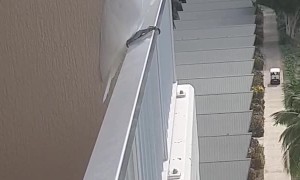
point(113, 146)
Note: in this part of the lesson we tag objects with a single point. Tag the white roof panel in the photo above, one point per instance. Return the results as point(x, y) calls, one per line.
point(220, 32)
point(227, 13)
point(187, 7)
point(215, 56)
point(210, 1)
point(218, 43)
point(221, 85)
point(196, 71)
point(232, 170)
point(224, 148)
point(224, 103)
point(216, 22)
point(223, 124)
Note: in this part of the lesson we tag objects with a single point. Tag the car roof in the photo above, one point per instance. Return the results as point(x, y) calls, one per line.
point(275, 70)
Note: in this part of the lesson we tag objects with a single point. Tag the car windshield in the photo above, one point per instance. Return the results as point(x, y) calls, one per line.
point(274, 73)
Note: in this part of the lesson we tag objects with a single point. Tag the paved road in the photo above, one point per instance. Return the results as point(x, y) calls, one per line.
point(273, 97)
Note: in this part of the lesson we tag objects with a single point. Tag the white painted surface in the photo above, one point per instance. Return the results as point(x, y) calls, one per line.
point(121, 21)
point(132, 142)
point(184, 159)
point(170, 132)
point(275, 70)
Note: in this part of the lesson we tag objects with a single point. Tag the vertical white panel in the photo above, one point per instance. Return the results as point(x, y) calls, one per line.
point(150, 145)
point(166, 57)
point(195, 149)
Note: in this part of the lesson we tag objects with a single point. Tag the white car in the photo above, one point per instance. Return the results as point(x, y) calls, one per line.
point(275, 76)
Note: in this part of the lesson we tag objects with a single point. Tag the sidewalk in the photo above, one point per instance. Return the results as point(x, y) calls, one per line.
point(274, 169)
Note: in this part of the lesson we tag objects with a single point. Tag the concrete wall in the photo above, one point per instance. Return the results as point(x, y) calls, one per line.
point(50, 88)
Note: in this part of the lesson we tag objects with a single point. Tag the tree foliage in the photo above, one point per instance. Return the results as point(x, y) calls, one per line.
point(290, 10)
point(290, 139)
point(290, 117)
point(287, 6)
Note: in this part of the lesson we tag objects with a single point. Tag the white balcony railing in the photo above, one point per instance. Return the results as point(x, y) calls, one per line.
point(132, 142)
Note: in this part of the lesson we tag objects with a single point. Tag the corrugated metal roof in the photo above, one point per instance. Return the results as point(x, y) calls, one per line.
point(233, 170)
point(223, 103)
point(209, 1)
point(214, 46)
point(224, 148)
point(225, 13)
point(215, 5)
point(216, 22)
point(235, 84)
point(218, 43)
point(214, 70)
point(215, 56)
point(214, 32)
point(223, 124)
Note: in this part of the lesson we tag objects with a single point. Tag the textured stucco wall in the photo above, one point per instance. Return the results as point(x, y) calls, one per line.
point(50, 87)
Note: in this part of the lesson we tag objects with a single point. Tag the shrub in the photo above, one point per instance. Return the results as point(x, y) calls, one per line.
point(259, 40)
point(258, 53)
point(256, 153)
point(258, 78)
point(259, 19)
point(259, 59)
point(256, 108)
point(253, 143)
point(257, 125)
point(258, 92)
point(290, 67)
point(258, 113)
point(258, 63)
point(284, 38)
point(252, 174)
point(258, 9)
point(258, 161)
point(259, 31)
point(261, 102)
point(280, 19)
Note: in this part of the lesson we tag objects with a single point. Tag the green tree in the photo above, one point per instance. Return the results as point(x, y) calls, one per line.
point(291, 136)
point(291, 93)
point(290, 10)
